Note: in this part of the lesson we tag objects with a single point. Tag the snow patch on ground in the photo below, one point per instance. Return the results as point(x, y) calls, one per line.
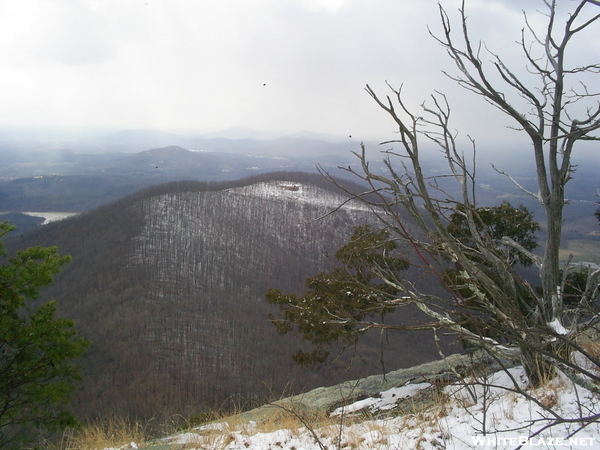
point(298, 192)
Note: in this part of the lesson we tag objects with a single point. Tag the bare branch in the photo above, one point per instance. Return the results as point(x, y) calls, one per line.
point(537, 196)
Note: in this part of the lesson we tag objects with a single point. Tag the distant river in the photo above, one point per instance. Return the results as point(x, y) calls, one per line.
point(50, 216)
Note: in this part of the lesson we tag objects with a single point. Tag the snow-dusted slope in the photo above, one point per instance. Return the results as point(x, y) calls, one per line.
point(187, 234)
point(299, 193)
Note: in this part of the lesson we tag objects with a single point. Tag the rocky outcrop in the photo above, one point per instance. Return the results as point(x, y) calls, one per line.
point(327, 399)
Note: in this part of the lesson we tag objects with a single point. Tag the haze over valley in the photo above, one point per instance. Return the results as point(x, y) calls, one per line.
point(69, 171)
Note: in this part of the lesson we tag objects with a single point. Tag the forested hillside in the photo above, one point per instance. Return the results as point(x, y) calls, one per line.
point(169, 286)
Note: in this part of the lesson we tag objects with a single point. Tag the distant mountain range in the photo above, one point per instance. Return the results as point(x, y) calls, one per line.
point(52, 176)
point(56, 138)
point(169, 285)
point(78, 175)
point(76, 172)
point(235, 141)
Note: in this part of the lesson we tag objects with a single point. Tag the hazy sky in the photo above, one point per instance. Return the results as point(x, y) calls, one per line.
point(284, 65)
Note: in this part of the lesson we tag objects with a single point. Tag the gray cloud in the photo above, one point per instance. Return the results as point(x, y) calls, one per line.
point(268, 64)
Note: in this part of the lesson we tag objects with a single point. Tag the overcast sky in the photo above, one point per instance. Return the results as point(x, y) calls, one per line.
point(282, 65)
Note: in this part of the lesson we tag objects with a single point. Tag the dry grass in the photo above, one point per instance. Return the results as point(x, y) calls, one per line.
point(548, 394)
point(592, 348)
point(298, 422)
point(226, 429)
point(509, 404)
point(289, 418)
point(114, 432)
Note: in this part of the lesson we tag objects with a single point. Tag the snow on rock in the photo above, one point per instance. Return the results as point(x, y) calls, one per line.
point(387, 400)
point(557, 327)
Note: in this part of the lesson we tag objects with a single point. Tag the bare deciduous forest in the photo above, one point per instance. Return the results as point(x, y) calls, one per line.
point(169, 286)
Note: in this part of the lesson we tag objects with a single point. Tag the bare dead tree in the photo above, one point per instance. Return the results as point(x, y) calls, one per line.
point(487, 302)
point(488, 294)
point(551, 124)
